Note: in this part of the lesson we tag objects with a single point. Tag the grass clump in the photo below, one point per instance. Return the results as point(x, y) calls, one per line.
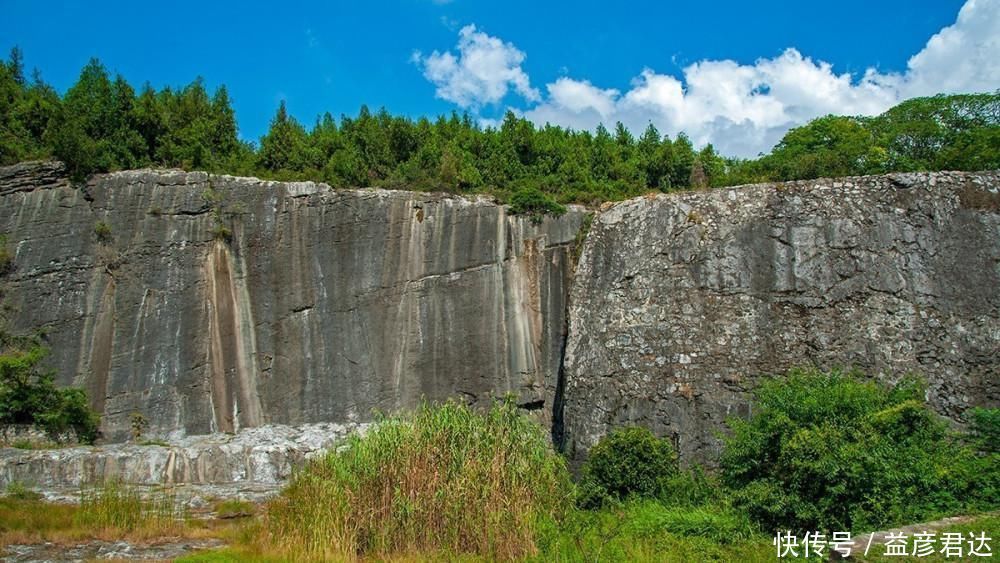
point(19, 491)
point(234, 508)
point(445, 479)
point(119, 506)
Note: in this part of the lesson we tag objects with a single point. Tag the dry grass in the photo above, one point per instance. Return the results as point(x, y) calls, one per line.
point(110, 512)
point(444, 480)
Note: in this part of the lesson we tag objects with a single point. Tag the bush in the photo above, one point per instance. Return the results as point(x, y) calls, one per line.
point(103, 232)
point(28, 395)
point(830, 451)
point(984, 427)
point(629, 461)
point(532, 201)
point(443, 480)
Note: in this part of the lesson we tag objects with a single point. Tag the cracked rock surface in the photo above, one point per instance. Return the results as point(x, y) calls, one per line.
point(681, 302)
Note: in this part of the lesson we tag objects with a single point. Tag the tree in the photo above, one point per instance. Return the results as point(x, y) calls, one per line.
point(283, 148)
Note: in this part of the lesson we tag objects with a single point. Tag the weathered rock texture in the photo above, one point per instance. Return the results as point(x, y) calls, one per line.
point(254, 462)
point(211, 303)
point(682, 301)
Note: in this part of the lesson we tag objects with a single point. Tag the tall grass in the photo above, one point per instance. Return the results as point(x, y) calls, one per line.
point(119, 506)
point(445, 479)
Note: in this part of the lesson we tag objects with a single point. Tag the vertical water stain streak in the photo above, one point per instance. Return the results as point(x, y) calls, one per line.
point(232, 367)
point(102, 343)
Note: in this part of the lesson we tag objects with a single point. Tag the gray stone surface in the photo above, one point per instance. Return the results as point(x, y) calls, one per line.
point(681, 302)
point(250, 464)
point(221, 303)
point(322, 306)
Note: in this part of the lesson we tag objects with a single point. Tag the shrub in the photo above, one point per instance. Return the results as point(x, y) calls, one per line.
point(830, 451)
point(28, 395)
point(536, 203)
point(984, 427)
point(445, 479)
point(629, 461)
point(103, 232)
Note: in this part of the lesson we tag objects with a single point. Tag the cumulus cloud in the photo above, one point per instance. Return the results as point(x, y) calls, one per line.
point(482, 72)
point(743, 109)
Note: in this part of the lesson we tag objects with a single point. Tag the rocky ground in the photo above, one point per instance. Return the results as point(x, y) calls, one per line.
point(249, 465)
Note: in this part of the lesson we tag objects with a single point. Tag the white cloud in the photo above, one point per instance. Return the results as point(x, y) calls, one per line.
point(743, 109)
point(484, 70)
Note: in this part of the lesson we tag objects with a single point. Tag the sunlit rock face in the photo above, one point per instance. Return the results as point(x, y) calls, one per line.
point(213, 303)
point(682, 302)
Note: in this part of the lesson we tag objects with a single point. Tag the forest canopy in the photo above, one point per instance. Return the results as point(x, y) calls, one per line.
point(102, 123)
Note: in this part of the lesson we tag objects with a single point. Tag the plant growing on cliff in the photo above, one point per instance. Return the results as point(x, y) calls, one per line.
point(28, 395)
point(6, 257)
point(103, 232)
point(535, 203)
point(444, 479)
point(138, 424)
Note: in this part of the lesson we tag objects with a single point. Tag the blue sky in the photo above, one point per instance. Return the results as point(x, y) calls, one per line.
point(737, 74)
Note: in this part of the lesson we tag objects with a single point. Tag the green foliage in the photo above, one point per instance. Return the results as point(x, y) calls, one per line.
point(645, 530)
point(103, 232)
point(120, 506)
point(445, 478)
point(102, 124)
point(833, 451)
point(138, 424)
point(984, 426)
point(629, 461)
point(19, 491)
point(28, 395)
point(6, 257)
point(534, 202)
point(234, 508)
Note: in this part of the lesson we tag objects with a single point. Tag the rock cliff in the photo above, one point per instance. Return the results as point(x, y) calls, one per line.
point(682, 302)
point(210, 303)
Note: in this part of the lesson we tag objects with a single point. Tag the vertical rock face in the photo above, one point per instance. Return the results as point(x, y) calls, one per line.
point(680, 302)
point(217, 303)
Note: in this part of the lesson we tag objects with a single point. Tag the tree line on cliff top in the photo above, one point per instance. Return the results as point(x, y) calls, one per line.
point(101, 123)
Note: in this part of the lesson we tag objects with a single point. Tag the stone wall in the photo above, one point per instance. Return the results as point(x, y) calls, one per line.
point(211, 303)
point(681, 302)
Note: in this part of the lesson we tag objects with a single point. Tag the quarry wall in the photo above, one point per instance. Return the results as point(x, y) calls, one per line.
point(213, 303)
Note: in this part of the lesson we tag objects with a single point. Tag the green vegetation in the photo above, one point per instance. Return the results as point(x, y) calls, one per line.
point(108, 512)
point(103, 232)
point(449, 484)
point(234, 508)
point(102, 123)
point(19, 491)
point(120, 506)
point(6, 258)
point(445, 479)
point(28, 394)
point(628, 462)
point(831, 451)
point(536, 203)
